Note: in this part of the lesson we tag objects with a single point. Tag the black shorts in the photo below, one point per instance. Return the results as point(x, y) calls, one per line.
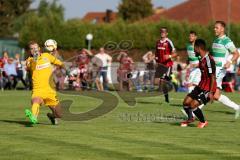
point(200, 95)
point(163, 72)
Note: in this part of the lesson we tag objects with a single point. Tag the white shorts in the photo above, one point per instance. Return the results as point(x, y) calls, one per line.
point(194, 76)
point(220, 73)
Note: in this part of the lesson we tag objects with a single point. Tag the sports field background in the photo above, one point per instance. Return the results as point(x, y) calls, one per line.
point(114, 137)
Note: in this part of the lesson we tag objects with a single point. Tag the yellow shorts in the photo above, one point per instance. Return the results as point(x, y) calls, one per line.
point(49, 98)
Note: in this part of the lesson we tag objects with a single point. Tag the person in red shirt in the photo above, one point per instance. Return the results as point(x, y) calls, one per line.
point(1, 63)
point(83, 61)
point(165, 51)
point(204, 92)
point(84, 57)
point(5, 57)
point(125, 67)
point(1, 73)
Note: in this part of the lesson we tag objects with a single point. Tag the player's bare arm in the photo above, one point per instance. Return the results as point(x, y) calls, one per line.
point(173, 55)
point(145, 58)
point(211, 94)
point(233, 60)
point(88, 52)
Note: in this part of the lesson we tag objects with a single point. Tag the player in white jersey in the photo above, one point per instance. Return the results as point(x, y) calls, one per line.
point(193, 61)
point(195, 73)
point(222, 47)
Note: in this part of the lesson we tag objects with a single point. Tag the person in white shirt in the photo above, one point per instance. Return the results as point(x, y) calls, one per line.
point(10, 74)
point(105, 60)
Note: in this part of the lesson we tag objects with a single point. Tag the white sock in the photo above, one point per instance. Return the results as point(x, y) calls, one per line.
point(190, 89)
point(226, 101)
point(201, 106)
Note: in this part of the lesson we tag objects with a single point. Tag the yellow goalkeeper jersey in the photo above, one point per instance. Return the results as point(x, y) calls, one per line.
point(41, 71)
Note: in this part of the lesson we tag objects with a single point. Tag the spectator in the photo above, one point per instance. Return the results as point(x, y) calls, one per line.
point(83, 60)
point(105, 62)
point(229, 80)
point(59, 77)
point(149, 74)
point(73, 77)
point(1, 74)
point(237, 67)
point(5, 57)
point(19, 68)
point(182, 77)
point(135, 77)
point(10, 74)
point(125, 67)
point(93, 72)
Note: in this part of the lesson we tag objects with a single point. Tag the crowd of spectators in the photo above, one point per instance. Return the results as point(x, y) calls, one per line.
point(90, 72)
point(11, 71)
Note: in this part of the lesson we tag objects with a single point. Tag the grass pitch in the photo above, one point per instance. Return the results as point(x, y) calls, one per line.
point(148, 131)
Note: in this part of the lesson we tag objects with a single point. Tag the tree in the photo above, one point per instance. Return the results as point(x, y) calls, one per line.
point(46, 9)
point(52, 12)
point(41, 24)
point(10, 10)
point(133, 10)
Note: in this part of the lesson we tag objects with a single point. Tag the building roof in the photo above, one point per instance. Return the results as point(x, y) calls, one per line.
point(202, 11)
point(99, 17)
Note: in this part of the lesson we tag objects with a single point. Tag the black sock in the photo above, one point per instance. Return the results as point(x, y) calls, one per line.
point(199, 114)
point(188, 110)
point(166, 98)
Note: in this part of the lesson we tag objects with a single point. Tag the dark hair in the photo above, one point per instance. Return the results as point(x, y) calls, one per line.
point(200, 43)
point(32, 42)
point(222, 23)
point(193, 32)
point(179, 67)
point(164, 28)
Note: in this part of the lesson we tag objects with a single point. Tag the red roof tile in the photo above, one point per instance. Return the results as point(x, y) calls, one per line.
point(98, 16)
point(202, 11)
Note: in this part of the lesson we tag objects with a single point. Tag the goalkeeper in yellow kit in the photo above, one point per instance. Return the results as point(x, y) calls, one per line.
point(40, 65)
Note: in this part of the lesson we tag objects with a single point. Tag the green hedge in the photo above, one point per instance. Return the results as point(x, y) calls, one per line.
point(71, 34)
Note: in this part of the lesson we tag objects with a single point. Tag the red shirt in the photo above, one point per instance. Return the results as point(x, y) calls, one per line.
point(208, 68)
point(126, 63)
point(163, 48)
point(82, 60)
point(1, 63)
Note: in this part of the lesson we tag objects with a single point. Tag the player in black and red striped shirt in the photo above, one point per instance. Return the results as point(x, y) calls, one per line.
point(204, 92)
point(165, 51)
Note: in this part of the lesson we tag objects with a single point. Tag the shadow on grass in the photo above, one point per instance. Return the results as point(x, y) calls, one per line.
point(21, 122)
point(145, 102)
point(225, 121)
point(178, 123)
point(172, 123)
point(176, 105)
point(225, 112)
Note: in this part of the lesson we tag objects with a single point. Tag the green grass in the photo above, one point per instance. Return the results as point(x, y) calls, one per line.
point(113, 136)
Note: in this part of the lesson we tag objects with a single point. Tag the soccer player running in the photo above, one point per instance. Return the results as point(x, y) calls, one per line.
point(195, 73)
point(41, 67)
point(221, 48)
point(165, 51)
point(204, 92)
point(193, 61)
